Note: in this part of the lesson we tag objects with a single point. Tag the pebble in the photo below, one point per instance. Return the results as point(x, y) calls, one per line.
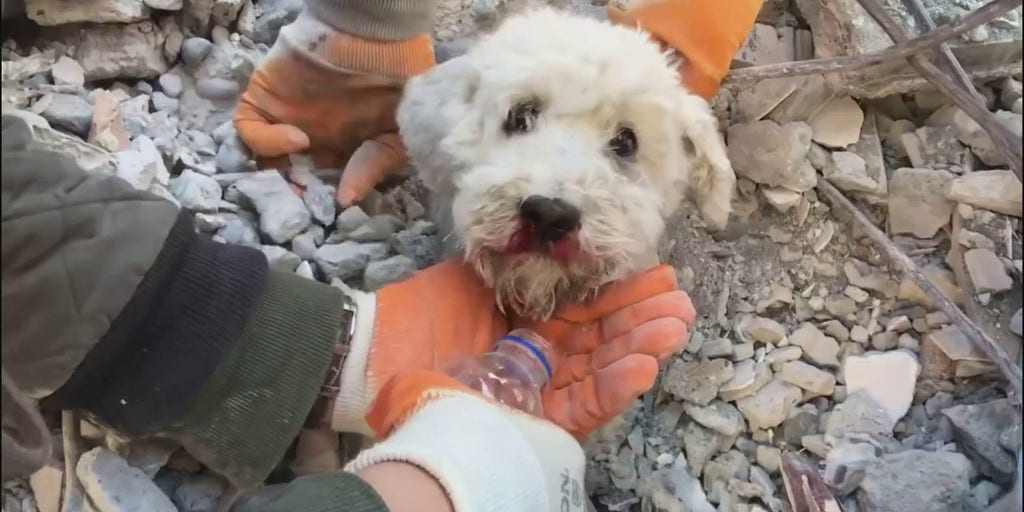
point(392, 270)
point(218, 89)
point(194, 50)
point(419, 242)
point(783, 354)
point(908, 342)
point(887, 340)
point(70, 112)
point(718, 416)
point(697, 381)
point(319, 199)
point(67, 71)
point(889, 378)
point(815, 443)
point(350, 219)
point(859, 413)
point(859, 334)
point(808, 377)
point(718, 347)
point(987, 272)
point(240, 229)
point(348, 259)
point(837, 330)
point(377, 228)
point(840, 306)
point(114, 486)
point(282, 215)
point(770, 405)
point(817, 348)
point(742, 351)
point(196, 191)
point(164, 102)
point(769, 458)
point(305, 244)
point(761, 329)
point(170, 84)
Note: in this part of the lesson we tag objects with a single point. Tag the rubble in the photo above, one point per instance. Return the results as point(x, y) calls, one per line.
point(915, 481)
point(978, 429)
point(917, 201)
point(996, 190)
point(114, 486)
point(986, 271)
point(889, 378)
point(838, 123)
point(697, 381)
point(772, 154)
point(770, 405)
point(817, 348)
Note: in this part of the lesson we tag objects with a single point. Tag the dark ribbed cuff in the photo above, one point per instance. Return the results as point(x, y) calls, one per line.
point(376, 19)
point(183, 318)
point(325, 492)
point(253, 407)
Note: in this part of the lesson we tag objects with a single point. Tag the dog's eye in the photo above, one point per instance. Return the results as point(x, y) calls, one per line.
point(521, 117)
point(624, 144)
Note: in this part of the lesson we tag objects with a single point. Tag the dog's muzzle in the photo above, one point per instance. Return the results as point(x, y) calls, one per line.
point(547, 225)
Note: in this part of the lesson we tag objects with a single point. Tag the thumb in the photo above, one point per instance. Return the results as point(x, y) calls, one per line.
point(373, 161)
point(267, 139)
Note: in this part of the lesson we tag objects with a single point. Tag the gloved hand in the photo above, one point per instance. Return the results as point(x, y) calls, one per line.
point(610, 347)
point(707, 34)
point(486, 456)
point(333, 95)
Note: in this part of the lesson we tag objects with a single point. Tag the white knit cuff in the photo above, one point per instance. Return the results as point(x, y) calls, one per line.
point(488, 458)
point(353, 400)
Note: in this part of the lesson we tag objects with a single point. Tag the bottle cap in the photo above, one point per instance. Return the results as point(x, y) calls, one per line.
point(528, 345)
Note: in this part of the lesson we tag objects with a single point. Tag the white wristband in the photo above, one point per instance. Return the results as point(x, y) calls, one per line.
point(488, 458)
point(353, 400)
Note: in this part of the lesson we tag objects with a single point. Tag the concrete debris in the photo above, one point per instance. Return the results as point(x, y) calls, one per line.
point(978, 428)
point(848, 172)
point(998, 190)
point(889, 378)
point(838, 123)
point(55, 12)
point(808, 377)
point(282, 214)
point(986, 271)
point(114, 486)
point(348, 259)
point(818, 348)
point(918, 203)
point(697, 381)
point(764, 330)
point(915, 481)
point(772, 154)
point(770, 405)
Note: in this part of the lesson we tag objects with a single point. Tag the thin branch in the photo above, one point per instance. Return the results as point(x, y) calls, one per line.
point(982, 15)
point(977, 336)
point(1005, 141)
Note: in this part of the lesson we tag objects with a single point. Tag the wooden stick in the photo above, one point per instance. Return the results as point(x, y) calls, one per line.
point(908, 267)
point(71, 439)
point(945, 53)
point(982, 15)
point(1005, 141)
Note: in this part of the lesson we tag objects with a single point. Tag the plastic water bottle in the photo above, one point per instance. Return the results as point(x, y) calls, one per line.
point(513, 374)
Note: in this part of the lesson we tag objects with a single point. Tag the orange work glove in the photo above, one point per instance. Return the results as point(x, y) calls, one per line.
point(707, 34)
point(332, 95)
point(611, 346)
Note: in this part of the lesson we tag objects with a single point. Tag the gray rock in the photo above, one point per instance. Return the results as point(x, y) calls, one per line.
point(142, 166)
point(845, 465)
point(999, 191)
point(384, 272)
point(770, 406)
point(971, 133)
point(916, 481)
point(194, 50)
point(987, 271)
point(419, 242)
point(808, 377)
point(748, 378)
point(67, 71)
point(936, 147)
point(349, 219)
point(108, 51)
point(280, 258)
point(305, 244)
point(224, 131)
point(774, 155)
point(801, 422)
point(838, 123)
point(114, 486)
point(164, 102)
point(282, 214)
point(319, 199)
point(848, 172)
point(170, 83)
point(918, 203)
point(218, 89)
point(233, 155)
point(348, 259)
point(269, 24)
point(764, 330)
point(70, 112)
point(858, 414)
point(718, 416)
point(978, 427)
point(718, 347)
point(754, 102)
point(199, 493)
point(731, 464)
point(240, 229)
point(817, 348)
point(700, 444)
point(697, 381)
point(196, 192)
point(378, 228)
point(199, 142)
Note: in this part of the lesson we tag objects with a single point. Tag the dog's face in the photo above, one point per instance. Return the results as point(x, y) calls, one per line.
point(557, 147)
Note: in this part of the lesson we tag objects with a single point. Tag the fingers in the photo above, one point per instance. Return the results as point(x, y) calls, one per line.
point(585, 338)
point(659, 338)
point(266, 139)
point(583, 406)
point(374, 160)
point(631, 290)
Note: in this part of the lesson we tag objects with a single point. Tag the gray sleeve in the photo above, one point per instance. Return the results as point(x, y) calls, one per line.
point(376, 19)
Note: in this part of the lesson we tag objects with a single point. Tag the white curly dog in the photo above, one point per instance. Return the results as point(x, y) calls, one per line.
point(555, 149)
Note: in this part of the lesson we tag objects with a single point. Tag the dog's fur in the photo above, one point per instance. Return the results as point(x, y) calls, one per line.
point(589, 79)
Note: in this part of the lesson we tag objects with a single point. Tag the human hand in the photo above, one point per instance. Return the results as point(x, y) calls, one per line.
point(335, 99)
point(487, 457)
point(610, 348)
point(706, 33)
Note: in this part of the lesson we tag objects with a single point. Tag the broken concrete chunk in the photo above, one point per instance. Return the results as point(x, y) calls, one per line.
point(67, 71)
point(848, 172)
point(918, 203)
point(998, 190)
point(392, 270)
point(808, 377)
point(838, 123)
point(770, 406)
point(817, 348)
point(812, 93)
point(915, 481)
point(282, 214)
point(718, 416)
point(888, 378)
point(69, 112)
point(978, 427)
point(782, 199)
point(772, 154)
point(697, 381)
point(755, 102)
point(942, 351)
point(971, 133)
point(56, 12)
point(764, 330)
point(936, 148)
point(749, 377)
point(986, 271)
point(114, 486)
point(120, 51)
point(348, 259)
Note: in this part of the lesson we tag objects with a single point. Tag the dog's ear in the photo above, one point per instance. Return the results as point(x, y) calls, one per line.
point(432, 105)
point(712, 180)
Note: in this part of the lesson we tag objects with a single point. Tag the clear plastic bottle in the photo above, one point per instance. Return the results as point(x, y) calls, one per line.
point(513, 374)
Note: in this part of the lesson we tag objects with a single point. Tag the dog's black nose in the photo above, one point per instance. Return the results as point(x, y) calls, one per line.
point(550, 218)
